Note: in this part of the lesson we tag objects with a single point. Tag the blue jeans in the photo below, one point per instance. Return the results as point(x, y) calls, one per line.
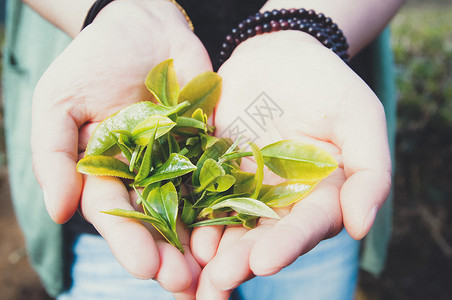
point(329, 271)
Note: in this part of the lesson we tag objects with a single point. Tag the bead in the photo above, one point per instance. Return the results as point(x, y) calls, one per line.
point(275, 26)
point(276, 14)
point(284, 13)
point(266, 27)
point(225, 47)
point(229, 39)
point(250, 32)
point(241, 26)
point(302, 13)
point(258, 19)
point(328, 21)
point(321, 17)
point(258, 29)
point(242, 36)
point(292, 12)
point(284, 25)
point(234, 32)
point(249, 22)
point(266, 16)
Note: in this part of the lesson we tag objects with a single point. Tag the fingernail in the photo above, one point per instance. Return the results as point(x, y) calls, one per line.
point(370, 219)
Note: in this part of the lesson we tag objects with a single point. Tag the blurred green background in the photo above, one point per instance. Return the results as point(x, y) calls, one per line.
point(419, 263)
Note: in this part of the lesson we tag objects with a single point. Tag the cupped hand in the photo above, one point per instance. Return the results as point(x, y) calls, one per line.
point(100, 72)
point(286, 85)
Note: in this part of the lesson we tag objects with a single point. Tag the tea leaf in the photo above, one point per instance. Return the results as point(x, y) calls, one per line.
point(164, 201)
point(244, 181)
point(189, 122)
point(203, 92)
point(221, 183)
point(287, 193)
point(259, 176)
point(218, 221)
point(247, 206)
point(162, 82)
point(133, 215)
point(209, 172)
point(248, 221)
point(176, 165)
point(189, 213)
point(146, 163)
point(296, 160)
point(102, 143)
point(214, 152)
point(145, 129)
point(104, 166)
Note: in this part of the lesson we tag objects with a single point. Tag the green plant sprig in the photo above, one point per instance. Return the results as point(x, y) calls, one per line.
point(170, 144)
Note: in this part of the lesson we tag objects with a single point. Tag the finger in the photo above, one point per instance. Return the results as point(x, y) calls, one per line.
point(190, 291)
point(172, 262)
point(204, 243)
point(54, 150)
point(206, 289)
point(131, 243)
point(311, 220)
point(367, 165)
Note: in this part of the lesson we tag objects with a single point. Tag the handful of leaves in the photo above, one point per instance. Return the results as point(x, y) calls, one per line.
point(169, 145)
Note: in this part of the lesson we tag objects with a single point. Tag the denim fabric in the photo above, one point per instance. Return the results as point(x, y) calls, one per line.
point(329, 271)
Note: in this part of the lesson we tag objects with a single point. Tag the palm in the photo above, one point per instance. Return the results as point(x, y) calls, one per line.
point(314, 97)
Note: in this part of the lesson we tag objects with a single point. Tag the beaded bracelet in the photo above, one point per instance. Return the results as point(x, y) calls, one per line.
point(317, 25)
point(100, 4)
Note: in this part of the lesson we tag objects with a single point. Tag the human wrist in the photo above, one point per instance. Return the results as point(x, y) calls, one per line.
point(317, 25)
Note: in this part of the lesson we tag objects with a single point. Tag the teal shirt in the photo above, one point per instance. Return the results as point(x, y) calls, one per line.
point(31, 45)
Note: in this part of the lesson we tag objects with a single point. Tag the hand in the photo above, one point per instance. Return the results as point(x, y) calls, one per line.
point(325, 103)
point(99, 73)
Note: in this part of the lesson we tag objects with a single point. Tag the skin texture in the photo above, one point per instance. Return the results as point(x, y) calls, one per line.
point(324, 103)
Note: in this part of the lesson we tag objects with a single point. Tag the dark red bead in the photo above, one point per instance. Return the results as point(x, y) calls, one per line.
point(266, 27)
point(275, 26)
point(258, 29)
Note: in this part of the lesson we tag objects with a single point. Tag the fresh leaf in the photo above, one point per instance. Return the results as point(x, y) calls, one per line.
point(192, 123)
point(247, 206)
point(104, 166)
point(164, 201)
point(133, 215)
point(189, 213)
point(176, 165)
point(296, 160)
point(146, 163)
point(162, 82)
point(248, 221)
point(145, 130)
point(209, 172)
point(244, 181)
point(259, 176)
point(203, 92)
point(218, 221)
point(103, 143)
point(287, 193)
point(214, 152)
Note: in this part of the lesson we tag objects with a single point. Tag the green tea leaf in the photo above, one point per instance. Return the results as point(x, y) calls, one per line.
point(145, 130)
point(102, 142)
point(259, 176)
point(296, 160)
point(214, 152)
point(165, 202)
point(146, 163)
point(247, 206)
point(244, 181)
point(198, 114)
point(218, 221)
point(207, 140)
point(176, 165)
point(192, 123)
point(133, 215)
point(162, 82)
point(248, 221)
point(221, 183)
point(209, 172)
point(189, 213)
point(203, 92)
point(287, 193)
point(104, 166)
